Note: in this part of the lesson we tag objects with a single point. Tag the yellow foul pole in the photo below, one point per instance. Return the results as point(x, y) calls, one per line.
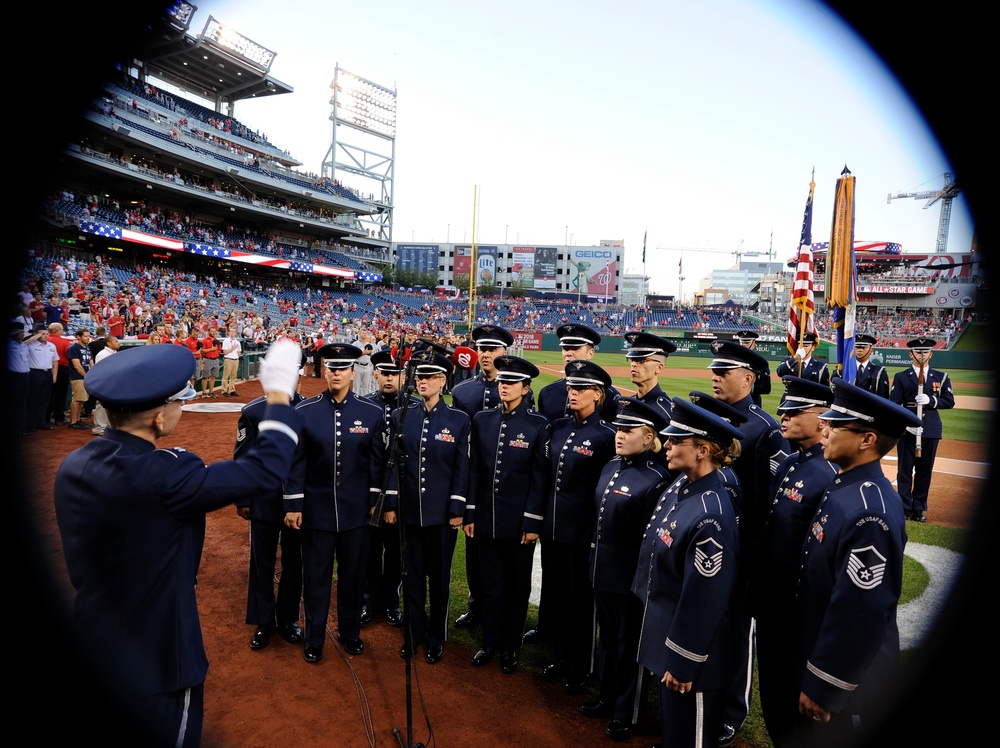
point(474, 261)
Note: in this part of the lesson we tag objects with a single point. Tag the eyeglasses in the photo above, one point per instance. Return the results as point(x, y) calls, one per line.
point(679, 441)
point(837, 427)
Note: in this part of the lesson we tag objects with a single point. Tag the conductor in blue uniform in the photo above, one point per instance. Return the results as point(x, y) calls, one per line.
point(508, 482)
point(687, 578)
point(851, 575)
point(329, 495)
point(132, 519)
point(913, 473)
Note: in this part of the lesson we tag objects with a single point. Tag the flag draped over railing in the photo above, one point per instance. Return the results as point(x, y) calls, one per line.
point(841, 275)
point(803, 304)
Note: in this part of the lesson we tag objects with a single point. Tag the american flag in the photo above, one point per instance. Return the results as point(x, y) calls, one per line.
point(803, 305)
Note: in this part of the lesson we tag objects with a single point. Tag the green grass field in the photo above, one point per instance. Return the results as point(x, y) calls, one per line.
point(974, 425)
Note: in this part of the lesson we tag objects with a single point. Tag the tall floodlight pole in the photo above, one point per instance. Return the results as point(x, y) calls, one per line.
point(363, 145)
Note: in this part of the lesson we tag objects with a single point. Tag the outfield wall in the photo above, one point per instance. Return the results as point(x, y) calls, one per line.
point(689, 344)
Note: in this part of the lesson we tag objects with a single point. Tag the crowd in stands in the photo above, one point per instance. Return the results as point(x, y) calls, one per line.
point(89, 290)
point(155, 219)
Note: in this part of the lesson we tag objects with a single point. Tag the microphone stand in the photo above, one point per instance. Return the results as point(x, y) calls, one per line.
point(397, 465)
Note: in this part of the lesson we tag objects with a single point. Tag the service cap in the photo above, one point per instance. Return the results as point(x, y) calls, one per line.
point(339, 355)
point(634, 413)
point(586, 374)
point(853, 403)
point(644, 344)
point(688, 419)
point(514, 369)
point(573, 336)
point(142, 378)
point(802, 394)
point(491, 336)
point(721, 409)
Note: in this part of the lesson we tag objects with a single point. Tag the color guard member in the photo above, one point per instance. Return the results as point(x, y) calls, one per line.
point(923, 391)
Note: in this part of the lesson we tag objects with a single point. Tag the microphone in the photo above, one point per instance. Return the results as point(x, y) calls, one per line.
point(465, 358)
point(462, 357)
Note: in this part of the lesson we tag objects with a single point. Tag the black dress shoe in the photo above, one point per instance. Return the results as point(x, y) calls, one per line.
point(535, 636)
point(618, 730)
point(393, 617)
point(352, 646)
point(555, 670)
point(482, 656)
point(596, 709)
point(312, 655)
point(47, 427)
point(406, 653)
point(467, 620)
point(366, 617)
point(575, 685)
point(508, 662)
point(434, 654)
point(261, 637)
point(290, 632)
point(919, 517)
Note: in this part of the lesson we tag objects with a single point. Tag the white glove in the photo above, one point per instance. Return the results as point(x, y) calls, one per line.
point(801, 353)
point(280, 368)
point(922, 399)
point(915, 430)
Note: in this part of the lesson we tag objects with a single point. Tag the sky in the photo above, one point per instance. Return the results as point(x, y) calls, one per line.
point(696, 126)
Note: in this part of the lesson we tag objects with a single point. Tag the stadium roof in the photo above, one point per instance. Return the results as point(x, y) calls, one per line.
point(219, 65)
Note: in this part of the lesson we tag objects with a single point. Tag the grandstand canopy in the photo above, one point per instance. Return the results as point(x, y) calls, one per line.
point(218, 65)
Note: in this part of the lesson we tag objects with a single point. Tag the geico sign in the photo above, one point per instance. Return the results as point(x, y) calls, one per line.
point(599, 253)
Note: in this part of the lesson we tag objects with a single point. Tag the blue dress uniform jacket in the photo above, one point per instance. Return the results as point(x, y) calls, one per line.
point(811, 369)
point(686, 574)
point(580, 450)
point(762, 450)
point(850, 582)
point(436, 477)
point(873, 378)
point(477, 394)
point(625, 495)
point(132, 519)
point(937, 385)
point(435, 487)
point(553, 401)
point(509, 473)
point(337, 472)
point(796, 491)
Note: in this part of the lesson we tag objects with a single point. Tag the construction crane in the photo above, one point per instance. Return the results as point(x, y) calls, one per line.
point(948, 193)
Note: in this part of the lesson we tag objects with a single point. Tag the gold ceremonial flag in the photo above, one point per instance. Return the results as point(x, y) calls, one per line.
point(840, 256)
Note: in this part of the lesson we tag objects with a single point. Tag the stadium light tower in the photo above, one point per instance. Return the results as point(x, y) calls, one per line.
point(366, 112)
